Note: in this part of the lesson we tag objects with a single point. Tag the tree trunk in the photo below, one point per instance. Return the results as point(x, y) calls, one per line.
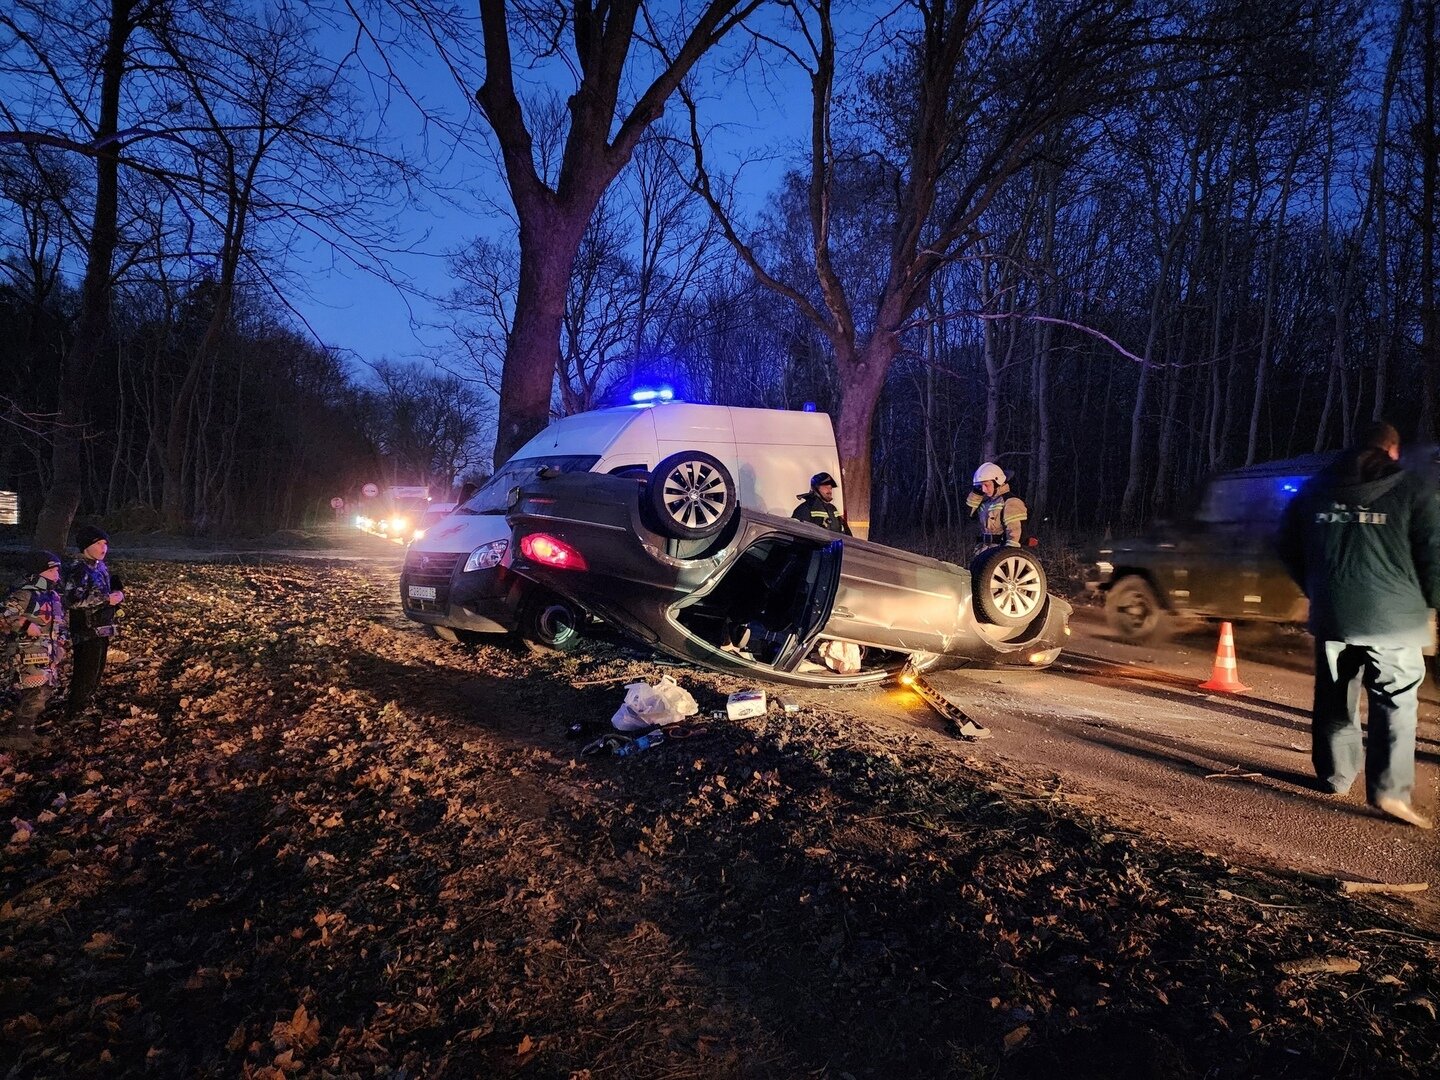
point(63, 499)
point(1429, 317)
point(1262, 360)
point(547, 257)
point(1039, 493)
point(1377, 185)
point(862, 379)
point(1131, 496)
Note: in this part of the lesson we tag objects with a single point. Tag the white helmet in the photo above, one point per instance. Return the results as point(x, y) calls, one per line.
point(989, 471)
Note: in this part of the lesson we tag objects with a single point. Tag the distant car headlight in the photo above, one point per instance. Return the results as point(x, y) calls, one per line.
point(487, 555)
point(398, 524)
point(1104, 568)
point(418, 534)
point(362, 522)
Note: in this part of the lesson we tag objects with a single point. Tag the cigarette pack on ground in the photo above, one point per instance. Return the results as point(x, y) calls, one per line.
point(744, 704)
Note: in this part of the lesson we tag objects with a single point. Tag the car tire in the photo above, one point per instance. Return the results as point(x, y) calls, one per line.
point(1008, 585)
point(692, 495)
point(550, 621)
point(1133, 610)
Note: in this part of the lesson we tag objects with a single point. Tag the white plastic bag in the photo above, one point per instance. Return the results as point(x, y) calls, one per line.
point(841, 656)
point(667, 702)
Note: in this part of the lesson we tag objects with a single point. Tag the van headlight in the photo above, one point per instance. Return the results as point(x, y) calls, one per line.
point(487, 555)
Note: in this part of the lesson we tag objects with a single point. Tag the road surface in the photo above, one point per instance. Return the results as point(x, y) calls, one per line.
point(1127, 725)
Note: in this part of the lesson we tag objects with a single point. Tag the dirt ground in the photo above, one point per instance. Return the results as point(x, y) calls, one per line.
point(303, 838)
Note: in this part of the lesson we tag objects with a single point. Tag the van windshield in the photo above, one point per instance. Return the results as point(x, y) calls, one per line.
point(491, 498)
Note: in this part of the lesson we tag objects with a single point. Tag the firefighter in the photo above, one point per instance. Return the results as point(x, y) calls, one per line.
point(817, 508)
point(1001, 515)
point(32, 643)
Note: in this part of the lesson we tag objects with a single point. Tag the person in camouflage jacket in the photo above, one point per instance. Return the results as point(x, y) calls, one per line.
point(32, 644)
point(91, 596)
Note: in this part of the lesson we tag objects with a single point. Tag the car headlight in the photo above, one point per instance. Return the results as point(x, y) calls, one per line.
point(398, 524)
point(1104, 568)
point(487, 555)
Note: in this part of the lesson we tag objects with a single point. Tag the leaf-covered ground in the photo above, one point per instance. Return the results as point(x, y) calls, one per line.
point(309, 840)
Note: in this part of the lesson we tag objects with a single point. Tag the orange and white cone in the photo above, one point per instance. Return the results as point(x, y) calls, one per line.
point(1225, 676)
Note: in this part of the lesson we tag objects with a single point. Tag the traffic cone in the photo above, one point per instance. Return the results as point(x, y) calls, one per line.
point(1224, 676)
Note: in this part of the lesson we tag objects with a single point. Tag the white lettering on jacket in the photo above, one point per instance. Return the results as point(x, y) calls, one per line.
point(1344, 514)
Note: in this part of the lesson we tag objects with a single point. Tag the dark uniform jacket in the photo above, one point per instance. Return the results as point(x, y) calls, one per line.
point(1362, 539)
point(86, 588)
point(822, 512)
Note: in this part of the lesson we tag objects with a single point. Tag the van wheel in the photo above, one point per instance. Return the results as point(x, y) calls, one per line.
point(1009, 586)
point(550, 621)
point(1132, 609)
point(692, 495)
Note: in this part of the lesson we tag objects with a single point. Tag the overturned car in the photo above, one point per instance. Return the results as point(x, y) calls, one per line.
point(673, 561)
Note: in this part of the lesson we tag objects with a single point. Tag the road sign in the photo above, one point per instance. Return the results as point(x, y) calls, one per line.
point(337, 503)
point(370, 491)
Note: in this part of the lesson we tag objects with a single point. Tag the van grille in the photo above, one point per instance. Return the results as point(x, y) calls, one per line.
point(427, 568)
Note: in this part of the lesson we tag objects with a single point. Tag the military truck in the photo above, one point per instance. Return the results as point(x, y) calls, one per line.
point(1216, 563)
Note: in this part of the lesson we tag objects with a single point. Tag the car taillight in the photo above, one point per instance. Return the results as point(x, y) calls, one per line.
point(548, 551)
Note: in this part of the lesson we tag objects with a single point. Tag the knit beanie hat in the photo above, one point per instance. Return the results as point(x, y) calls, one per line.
point(37, 562)
point(86, 535)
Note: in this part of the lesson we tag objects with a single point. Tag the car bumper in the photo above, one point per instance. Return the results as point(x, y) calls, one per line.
point(484, 601)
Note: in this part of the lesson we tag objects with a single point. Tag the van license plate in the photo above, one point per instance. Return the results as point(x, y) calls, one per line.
point(422, 592)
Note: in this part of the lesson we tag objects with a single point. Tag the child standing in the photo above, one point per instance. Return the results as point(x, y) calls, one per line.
point(91, 597)
point(32, 643)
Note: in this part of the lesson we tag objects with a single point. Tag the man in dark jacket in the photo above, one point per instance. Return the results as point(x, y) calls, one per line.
point(816, 506)
point(1362, 539)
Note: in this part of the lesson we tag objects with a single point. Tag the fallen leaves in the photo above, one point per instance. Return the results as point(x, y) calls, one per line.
point(303, 804)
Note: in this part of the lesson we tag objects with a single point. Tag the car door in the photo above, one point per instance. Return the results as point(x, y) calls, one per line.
point(814, 601)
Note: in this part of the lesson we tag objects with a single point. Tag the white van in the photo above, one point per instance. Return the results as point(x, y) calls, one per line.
point(457, 575)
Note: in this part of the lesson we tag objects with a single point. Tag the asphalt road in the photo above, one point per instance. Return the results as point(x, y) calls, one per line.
point(1127, 725)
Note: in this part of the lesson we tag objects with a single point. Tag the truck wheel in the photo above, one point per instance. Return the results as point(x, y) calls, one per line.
point(550, 621)
point(1009, 586)
point(1132, 609)
point(692, 495)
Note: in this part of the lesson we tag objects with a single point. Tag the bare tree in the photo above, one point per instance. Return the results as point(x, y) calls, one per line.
point(100, 121)
point(970, 88)
point(553, 211)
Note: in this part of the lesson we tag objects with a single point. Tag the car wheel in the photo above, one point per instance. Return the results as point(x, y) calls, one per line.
point(1132, 609)
point(550, 621)
point(1009, 586)
point(692, 495)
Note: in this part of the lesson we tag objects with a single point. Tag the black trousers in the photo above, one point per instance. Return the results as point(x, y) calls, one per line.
point(88, 658)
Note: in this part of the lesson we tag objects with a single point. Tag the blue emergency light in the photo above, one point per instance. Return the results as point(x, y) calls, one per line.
point(642, 396)
point(809, 406)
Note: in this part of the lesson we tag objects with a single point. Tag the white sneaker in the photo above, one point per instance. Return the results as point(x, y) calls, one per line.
point(1403, 811)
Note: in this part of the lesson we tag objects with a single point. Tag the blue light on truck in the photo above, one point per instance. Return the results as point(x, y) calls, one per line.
point(664, 393)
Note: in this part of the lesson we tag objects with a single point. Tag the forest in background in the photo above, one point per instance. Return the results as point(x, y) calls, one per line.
point(1218, 255)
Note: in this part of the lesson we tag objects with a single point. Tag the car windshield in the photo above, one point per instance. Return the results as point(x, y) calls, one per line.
point(492, 497)
point(1257, 499)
